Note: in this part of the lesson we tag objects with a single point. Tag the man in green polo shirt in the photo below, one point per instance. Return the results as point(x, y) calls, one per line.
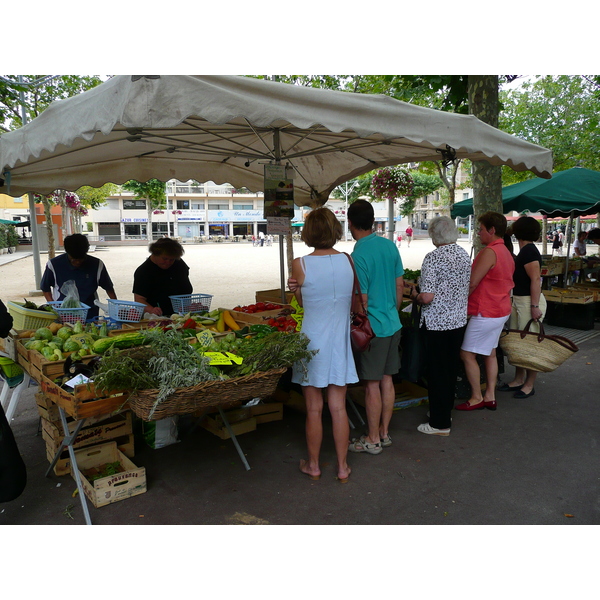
point(379, 269)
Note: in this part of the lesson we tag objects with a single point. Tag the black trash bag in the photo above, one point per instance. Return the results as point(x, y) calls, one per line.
point(413, 347)
point(13, 474)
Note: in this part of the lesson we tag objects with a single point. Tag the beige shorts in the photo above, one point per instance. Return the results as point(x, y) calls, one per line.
point(521, 312)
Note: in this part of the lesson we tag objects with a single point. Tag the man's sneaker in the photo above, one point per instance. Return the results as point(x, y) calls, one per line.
point(361, 445)
point(386, 441)
point(427, 428)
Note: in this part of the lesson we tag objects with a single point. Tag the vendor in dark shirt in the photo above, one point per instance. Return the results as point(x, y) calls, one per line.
point(163, 274)
point(88, 272)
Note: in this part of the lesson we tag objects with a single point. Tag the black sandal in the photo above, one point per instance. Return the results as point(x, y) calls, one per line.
point(507, 388)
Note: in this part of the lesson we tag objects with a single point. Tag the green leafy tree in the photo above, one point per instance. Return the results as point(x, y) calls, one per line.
point(424, 184)
point(37, 92)
point(95, 197)
point(561, 112)
point(153, 192)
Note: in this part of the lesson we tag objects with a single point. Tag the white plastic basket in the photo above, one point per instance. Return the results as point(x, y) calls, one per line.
point(191, 303)
point(125, 311)
point(70, 315)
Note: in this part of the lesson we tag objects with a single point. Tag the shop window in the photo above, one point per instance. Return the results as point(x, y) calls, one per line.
point(134, 205)
point(183, 204)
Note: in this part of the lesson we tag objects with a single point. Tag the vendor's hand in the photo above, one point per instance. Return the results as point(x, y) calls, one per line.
point(536, 314)
point(154, 310)
point(292, 284)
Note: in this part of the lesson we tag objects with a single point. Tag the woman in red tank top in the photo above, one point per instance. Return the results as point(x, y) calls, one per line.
point(488, 309)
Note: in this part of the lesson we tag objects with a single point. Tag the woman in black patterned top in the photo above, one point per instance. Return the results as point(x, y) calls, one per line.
point(444, 294)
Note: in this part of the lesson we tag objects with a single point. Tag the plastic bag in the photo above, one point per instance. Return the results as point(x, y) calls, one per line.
point(71, 295)
point(161, 433)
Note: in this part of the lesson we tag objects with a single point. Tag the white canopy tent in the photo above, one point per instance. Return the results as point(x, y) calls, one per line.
point(225, 128)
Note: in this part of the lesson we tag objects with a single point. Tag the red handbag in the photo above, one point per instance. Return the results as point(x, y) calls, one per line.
point(361, 333)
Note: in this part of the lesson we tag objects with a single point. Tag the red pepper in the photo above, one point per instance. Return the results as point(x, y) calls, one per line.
point(189, 324)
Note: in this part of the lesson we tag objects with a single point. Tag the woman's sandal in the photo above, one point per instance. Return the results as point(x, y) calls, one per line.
point(313, 477)
point(344, 479)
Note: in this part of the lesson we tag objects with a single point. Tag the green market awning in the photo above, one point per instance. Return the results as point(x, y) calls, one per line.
point(574, 192)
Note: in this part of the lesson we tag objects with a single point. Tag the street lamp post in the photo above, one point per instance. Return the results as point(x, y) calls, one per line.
point(346, 190)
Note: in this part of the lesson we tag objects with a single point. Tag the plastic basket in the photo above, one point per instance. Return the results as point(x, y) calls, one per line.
point(27, 318)
point(125, 311)
point(70, 315)
point(191, 303)
point(11, 372)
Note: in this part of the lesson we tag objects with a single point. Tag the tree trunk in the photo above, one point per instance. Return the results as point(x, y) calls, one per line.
point(49, 229)
point(487, 178)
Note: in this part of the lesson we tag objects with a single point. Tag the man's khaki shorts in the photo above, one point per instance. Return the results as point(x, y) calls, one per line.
point(382, 358)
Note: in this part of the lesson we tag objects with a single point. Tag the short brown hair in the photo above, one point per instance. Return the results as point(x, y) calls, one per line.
point(321, 229)
point(493, 219)
point(166, 247)
point(527, 228)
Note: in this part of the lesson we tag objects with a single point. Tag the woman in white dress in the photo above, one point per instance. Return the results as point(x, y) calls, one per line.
point(323, 282)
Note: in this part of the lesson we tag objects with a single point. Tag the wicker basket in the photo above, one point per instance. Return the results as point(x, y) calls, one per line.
point(205, 395)
point(27, 318)
point(536, 351)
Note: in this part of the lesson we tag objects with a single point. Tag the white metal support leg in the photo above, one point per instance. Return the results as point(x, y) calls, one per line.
point(67, 443)
point(234, 439)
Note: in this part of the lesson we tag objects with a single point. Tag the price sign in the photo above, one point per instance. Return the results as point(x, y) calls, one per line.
point(204, 337)
point(223, 358)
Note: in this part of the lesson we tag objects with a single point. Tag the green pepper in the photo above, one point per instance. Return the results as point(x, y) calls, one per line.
point(261, 330)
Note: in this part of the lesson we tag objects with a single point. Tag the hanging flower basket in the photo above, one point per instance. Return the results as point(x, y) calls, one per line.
point(391, 183)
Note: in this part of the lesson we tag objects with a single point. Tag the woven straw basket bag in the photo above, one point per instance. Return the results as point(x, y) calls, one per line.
point(536, 351)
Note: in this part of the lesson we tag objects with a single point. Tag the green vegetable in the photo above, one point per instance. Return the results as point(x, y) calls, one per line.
point(71, 346)
point(64, 333)
point(78, 328)
point(126, 340)
point(43, 333)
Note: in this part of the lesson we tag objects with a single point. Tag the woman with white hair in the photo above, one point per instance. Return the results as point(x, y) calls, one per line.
point(443, 294)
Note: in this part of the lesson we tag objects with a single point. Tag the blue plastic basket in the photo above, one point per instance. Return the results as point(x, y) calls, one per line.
point(191, 303)
point(70, 315)
point(125, 311)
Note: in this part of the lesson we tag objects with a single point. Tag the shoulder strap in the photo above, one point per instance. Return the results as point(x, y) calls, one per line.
point(357, 301)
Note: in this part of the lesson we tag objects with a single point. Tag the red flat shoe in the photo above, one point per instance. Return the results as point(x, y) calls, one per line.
point(467, 406)
point(490, 405)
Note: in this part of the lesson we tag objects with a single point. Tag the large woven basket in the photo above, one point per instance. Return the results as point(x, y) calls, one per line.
point(536, 351)
point(205, 395)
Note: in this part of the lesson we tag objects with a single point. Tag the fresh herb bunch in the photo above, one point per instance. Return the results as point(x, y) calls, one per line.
point(275, 351)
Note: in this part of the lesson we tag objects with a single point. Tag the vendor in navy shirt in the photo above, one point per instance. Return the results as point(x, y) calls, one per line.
point(88, 272)
point(163, 274)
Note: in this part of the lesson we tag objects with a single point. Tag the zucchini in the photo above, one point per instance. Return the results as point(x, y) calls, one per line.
point(126, 340)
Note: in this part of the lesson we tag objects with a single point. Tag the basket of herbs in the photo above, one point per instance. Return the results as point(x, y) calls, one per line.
point(169, 376)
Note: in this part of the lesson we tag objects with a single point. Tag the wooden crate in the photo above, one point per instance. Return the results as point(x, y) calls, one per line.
point(102, 431)
point(51, 368)
point(126, 444)
point(216, 426)
point(261, 317)
point(273, 296)
point(407, 395)
point(10, 343)
point(569, 296)
point(84, 401)
point(114, 487)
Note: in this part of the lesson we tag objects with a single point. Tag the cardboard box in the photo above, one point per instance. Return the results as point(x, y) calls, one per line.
point(106, 490)
point(273, 296)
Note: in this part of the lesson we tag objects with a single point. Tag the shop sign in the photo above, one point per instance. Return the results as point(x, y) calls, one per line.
point(234, 216)
point(134, 220)
point(279, 192)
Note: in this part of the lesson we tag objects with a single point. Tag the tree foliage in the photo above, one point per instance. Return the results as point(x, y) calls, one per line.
point(95, 197)
point(560, 112)
point(38, 91)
